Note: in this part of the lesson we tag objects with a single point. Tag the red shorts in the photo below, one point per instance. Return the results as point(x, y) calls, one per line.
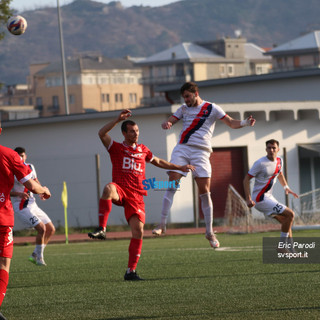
point(6, 242)
point(132, 202)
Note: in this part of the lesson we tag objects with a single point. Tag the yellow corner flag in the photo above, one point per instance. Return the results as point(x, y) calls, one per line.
point(64, 199)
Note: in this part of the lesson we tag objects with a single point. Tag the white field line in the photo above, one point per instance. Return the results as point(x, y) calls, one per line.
point(229, 249)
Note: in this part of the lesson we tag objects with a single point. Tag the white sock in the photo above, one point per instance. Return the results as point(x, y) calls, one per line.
point(207, 209)
point(284, 235)
point(39, 250)
point(166, 205)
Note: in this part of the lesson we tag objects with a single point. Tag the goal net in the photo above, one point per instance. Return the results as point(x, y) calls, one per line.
point(240, 219)
point(307, 210)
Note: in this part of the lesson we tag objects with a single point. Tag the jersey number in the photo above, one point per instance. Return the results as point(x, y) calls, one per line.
point(278, 207)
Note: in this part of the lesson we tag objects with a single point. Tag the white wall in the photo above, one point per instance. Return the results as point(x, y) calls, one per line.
point(64, 149)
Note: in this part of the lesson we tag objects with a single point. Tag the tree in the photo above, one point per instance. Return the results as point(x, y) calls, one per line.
point(5, 13)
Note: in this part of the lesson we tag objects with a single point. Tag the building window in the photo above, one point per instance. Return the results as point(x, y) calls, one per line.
point(105, 97)
point(55, 102)
point(259, 70)
point(71, 99)
point(296, 62)
point(309, 165)
point(222, 69)
point(21, 102)
point(133, 98)
point(230, 70)
point(30, 101)
point(39, 102)
point(118, 97)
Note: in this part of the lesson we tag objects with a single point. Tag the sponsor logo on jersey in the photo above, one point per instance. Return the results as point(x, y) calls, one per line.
point(134, 155)
point(130, 164)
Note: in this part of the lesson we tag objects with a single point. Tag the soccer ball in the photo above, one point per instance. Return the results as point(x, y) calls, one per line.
point(17, 25)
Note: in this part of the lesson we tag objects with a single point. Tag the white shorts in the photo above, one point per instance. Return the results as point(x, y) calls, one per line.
point(31, 216)
point(270, 206)
point(200, 158)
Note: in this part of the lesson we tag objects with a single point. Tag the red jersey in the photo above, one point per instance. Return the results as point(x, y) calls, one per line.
point(129, 165)
point(10, 165)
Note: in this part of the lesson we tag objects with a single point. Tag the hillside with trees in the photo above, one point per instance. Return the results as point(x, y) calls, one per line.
point(140, 31)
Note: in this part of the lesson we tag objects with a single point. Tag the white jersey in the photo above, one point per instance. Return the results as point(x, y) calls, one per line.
point(19, 187)
point(198, 123)
point(265, 173)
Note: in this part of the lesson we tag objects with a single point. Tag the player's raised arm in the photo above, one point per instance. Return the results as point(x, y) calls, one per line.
point(237, 124)
point(103, 132)
point(168, 165)
point(169, 123)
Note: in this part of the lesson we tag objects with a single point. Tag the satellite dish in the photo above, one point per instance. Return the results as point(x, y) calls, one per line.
point(238, 33)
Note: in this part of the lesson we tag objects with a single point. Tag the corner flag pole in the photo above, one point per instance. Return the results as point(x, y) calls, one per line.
point(64, 199)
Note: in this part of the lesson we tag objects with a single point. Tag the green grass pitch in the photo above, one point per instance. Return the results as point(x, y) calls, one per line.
point(185, 279)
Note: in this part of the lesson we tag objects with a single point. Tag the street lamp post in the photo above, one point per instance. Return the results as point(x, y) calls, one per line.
point(64, 77)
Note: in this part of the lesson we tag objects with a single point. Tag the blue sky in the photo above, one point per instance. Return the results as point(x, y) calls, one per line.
point(22, 5)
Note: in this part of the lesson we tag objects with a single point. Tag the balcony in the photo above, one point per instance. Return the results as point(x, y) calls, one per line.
point(164, 80)
point(293, 68)
point(53, 108)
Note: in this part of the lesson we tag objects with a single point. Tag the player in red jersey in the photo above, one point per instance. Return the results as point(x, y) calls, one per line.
point(126, 189)
point(11, 165)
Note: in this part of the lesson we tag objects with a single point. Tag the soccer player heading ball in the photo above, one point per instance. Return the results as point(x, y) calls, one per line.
point(128, 171)
point(194, 147)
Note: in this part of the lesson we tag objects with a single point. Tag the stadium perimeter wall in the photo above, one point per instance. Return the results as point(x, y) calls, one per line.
point(64, 148)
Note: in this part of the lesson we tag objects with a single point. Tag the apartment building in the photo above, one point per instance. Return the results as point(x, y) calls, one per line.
point(16, 102)
point(300, 53)
point(200, 61)
point(94, 83)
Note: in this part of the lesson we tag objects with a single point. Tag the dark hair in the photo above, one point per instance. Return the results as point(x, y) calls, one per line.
point(272, 141)
point(124, 126)
point(20, 150)
point(189, 86)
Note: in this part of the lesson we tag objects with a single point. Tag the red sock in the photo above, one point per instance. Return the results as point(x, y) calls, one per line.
point(105, 207)
point(4, 279)
point(134, 253)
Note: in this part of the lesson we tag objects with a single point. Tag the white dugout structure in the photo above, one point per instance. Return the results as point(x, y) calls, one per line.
point(66, 148)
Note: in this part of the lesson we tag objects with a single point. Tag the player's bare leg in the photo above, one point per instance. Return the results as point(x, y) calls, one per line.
point(45, 232)
point(4, 279)
point(134, 248)
point(50, 231)
point(105, 205)
point(207, 209)
point(286, 219)
point(37, 255)
point(160, 229)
